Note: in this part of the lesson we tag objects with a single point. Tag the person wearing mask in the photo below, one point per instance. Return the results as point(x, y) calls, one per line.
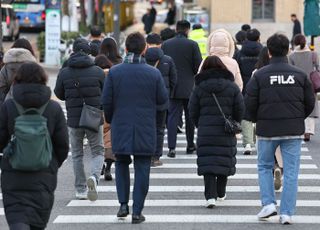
point(110, 48)
point(278, 98)
point(78, 83)
point(247, 59)
point(187, 58)
point(303, 58)
point(133, 93)
point(199, 36)
point(216, 149)
point(20, 52)
point(28, 196)
point(155, 57)
point(221, 44)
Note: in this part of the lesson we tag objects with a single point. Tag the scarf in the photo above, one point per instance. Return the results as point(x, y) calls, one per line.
point(132, 58)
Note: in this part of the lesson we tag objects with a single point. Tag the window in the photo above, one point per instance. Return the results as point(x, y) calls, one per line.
point(263, 10)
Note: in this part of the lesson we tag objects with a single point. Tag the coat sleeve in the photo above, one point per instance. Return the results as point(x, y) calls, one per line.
point(162, 94)
point(107, 98)
point(252, 99)
point(4, 131)
point(309, 97)
point(173, 78)
point(197, 59)
point(238, 106)
point(60, 139)
point(194, 106)
point(4, 86)
point(59, 89)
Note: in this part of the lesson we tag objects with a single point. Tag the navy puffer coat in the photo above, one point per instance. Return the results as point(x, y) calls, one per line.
point(216, 149)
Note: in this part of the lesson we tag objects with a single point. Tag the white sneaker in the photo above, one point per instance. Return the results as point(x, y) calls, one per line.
point(285, 219)
point(267, 211)
point(92, 188)
point(222, 198)
point(247, 150)
point(277, 179)
point(210, 203)
point(82, 195)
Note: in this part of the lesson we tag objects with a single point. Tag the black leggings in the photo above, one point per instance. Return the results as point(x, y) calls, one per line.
point(22, 226)
point(215, 186)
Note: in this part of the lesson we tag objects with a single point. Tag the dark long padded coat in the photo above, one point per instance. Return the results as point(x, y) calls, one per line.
point(216, 149)
point(28, 196)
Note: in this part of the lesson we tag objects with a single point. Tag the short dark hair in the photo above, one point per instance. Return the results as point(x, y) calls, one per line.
point(245, 27)
point(23, 43)
point(31, 72)
point(154, 39)
point(135, 43)
point(241, 36)
point(253, 35)
point(167, 33)
point(81, 45)
point(94, 49)
point(293, 15)
point(300, 40)
point(278, 45)
point(197, 26)
point(95, 31)
point(102, 61)
point(183, 26)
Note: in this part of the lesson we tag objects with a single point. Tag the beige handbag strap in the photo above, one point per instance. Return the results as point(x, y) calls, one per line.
point(157, 63)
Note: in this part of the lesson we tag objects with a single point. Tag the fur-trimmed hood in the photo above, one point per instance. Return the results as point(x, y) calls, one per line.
point(14, 55)
point(220, 43)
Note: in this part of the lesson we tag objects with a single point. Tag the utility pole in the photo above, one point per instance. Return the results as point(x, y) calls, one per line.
point(1, 38)
point(116, 20)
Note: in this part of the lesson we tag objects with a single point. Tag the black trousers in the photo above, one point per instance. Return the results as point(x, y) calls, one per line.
point(214, 186)
point(23, 226)
point(161, 125)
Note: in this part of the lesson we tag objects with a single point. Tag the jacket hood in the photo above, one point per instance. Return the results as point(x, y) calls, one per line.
point(220, 43)
point(18, 55)
point(214, 80)
point(31, 95)
point(80, 60)
point(153, 54)
point(251, 48)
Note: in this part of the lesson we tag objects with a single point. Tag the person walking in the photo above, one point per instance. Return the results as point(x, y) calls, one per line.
point(285, 89)
point(110, 48)
point(171, 15)
point(155, 57)
point(247, 59)
point(28, 196)
point(296, 28)
point(148, 20)
point(303, 58)
point(20, 52)
point(78, 83)
point(187, 58)
point(132, 95)
point(221, 44)
point(216, 149)
point(199, 36)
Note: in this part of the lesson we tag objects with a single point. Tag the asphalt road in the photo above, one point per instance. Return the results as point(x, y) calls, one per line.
point(176, 199)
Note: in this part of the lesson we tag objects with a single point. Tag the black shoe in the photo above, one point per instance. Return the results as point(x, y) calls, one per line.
point(103, 168)
point(123, 211)
point(107, 175)
point(137, 219)
point(172, 153)
point(190, 150)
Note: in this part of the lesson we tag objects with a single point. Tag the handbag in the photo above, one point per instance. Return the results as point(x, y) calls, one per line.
point(230, 125)
point(315, 75)
point(91, 118)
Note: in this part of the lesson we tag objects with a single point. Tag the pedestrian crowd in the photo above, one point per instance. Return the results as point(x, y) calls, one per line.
point(122, 106)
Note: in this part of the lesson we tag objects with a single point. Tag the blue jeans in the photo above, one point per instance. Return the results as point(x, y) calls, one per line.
point(290, 151)
point(95, 140)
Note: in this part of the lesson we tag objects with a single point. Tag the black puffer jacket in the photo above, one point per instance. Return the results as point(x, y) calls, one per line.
point(91, 79)
point(28, 196)
point(216, 149)
point(247, 59)
point(166, 66)
point(278, 98)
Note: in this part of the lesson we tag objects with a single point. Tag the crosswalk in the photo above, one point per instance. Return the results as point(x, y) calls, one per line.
point(176, 195)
